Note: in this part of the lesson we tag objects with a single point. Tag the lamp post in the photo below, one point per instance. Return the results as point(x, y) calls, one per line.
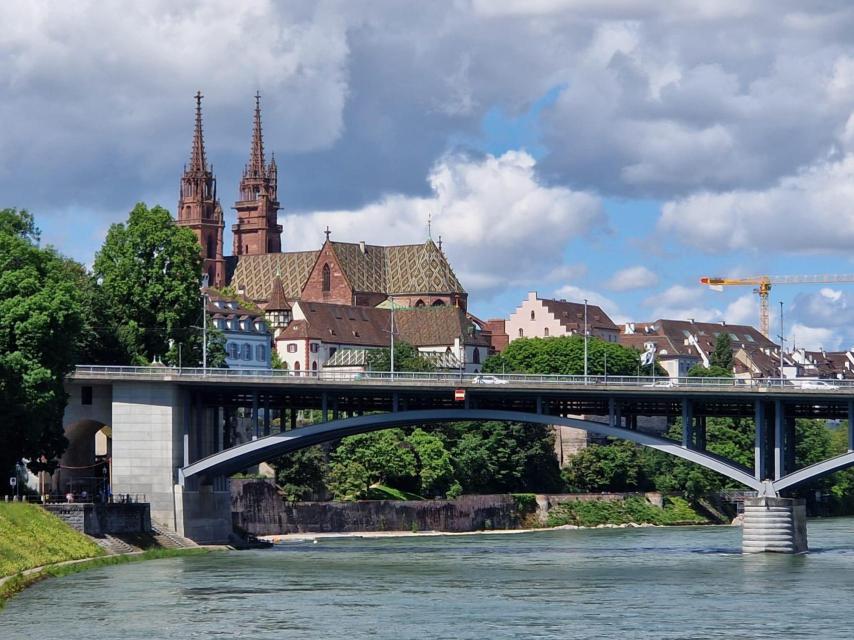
point(391, 334)
point(204, 290)
point(585, 340)
point(782, 341)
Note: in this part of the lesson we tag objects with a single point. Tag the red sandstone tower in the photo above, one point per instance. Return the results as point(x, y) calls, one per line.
point(198, 208)
point(257, 229)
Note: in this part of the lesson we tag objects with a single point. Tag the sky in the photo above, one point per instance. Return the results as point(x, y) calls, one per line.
point(614, 150)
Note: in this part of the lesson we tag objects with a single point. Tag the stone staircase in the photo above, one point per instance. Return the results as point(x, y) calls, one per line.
point(169, 539)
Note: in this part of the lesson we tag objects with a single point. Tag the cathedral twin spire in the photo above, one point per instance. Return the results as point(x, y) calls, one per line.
point(257, 229)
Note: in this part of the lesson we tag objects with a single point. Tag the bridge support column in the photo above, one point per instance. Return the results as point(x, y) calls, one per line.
point(851, 425)
point(776, 525)
point(687, 424)
point(760, 457)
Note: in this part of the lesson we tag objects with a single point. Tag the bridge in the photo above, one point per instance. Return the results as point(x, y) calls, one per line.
point(174, 436)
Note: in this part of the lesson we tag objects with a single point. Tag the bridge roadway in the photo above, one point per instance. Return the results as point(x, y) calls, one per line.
point(204, 449)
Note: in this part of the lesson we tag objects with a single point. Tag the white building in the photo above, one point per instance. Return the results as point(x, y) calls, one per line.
point(247, 336)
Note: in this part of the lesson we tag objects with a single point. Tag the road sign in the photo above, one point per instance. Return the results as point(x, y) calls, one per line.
point(459, 395)
point(13, 481)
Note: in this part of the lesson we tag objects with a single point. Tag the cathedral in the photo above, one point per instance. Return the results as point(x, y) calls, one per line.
point(343, 273)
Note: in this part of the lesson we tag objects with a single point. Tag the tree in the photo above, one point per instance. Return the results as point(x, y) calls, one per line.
point(564, 355)
point(148, 272)
point(714, 371)
point(381, 457)
point(300, 474)
point(40, 328)
point(616, 466)
point(433, 461)
point(722, 355)
point(406, 358)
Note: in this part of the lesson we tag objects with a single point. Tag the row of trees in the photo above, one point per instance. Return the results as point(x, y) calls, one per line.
point(140, 300)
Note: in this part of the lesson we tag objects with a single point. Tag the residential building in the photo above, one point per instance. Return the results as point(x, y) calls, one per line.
point(543, 318)
point(323, 335)
point(682, 344)
point(247, 335)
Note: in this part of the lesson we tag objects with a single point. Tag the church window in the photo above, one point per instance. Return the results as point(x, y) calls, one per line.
point(211, 249)
point(475, 356)
point(439, 303)
point(327, 277)
point(211, 276)
point(420, 303)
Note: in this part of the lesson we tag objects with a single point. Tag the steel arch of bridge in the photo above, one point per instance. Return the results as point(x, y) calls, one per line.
point(251, 453)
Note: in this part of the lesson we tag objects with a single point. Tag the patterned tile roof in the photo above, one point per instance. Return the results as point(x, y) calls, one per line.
point(254, 274)
point(359, 358)
point(397, 269)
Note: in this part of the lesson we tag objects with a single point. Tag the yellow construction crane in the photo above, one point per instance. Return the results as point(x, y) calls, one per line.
point(763, 287)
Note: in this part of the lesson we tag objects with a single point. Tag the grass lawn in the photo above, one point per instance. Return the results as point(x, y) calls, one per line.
point(31, 537)
point(382, 492)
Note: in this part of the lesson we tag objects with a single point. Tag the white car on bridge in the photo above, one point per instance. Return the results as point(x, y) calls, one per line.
point(488, 380)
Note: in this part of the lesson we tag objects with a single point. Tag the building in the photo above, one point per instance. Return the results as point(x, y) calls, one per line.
point(338, 273)
point(247, 336)
point(340, 336)
point(543, 318)
point(682, 344)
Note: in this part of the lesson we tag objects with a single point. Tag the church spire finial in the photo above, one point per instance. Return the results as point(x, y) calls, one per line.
point(256, 167)
point(197, 155)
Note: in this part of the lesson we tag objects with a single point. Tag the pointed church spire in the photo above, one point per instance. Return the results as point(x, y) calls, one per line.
point(256, 168)
point(197, 155)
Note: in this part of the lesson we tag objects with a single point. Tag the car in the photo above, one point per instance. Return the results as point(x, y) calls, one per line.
point(817, 385)
point(488, 380)
point(662, 383)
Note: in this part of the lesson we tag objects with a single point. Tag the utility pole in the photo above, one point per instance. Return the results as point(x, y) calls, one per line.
point(782, 341)
point(391, 334)
point(585, 340)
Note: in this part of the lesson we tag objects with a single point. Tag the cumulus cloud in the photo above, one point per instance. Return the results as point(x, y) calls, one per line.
point(573, 293)
point(813, 338)
point(811, 211)
point(637, 277)
point(499, 224)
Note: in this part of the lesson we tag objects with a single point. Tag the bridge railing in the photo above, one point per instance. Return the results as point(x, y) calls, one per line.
point(457, 378)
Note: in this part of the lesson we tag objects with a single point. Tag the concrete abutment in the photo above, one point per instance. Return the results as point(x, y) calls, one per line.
point(775, 525)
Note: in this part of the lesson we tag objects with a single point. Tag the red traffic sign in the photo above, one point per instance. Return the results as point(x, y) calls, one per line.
point(459, 395)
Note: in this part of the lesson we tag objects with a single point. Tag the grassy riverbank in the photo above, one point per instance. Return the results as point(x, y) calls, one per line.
point(32, 537)
point(676, 511)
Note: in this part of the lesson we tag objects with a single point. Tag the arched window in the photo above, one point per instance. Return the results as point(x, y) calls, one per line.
point(245, 352)
point(260, 353)
point(232, 350)
point(420, 303)
point(521, 332)
point(533, 316)
point(314, 368)
point(211, 248)
point(327, 278)
point(439, 303)
point(296, 365)
point(475, 356)
point(546, 332)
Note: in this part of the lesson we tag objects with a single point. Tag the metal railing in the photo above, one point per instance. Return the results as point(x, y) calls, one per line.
point(649, 383)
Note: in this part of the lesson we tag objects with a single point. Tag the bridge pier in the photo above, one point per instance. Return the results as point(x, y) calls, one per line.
point(776, 525)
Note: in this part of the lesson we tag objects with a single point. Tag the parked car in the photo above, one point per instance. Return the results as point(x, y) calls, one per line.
point(488, 380)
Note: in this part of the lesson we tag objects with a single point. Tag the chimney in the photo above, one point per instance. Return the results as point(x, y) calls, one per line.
point(362, 246)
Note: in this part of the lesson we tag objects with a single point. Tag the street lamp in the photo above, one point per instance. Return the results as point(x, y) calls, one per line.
point(585, 340)
point(204, 291)
point(782, 341)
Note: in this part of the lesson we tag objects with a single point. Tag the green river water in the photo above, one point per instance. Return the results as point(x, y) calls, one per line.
point(616, 583)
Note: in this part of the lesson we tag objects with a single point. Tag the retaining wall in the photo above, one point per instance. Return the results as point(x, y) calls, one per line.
point(100, 519)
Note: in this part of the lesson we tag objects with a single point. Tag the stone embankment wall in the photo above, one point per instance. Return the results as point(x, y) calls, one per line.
point(257, 507)
point(100, 519)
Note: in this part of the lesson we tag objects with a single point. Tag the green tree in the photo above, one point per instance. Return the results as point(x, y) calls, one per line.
point(616, 466)
point(148, 272)
point(434, 465)
point(496, 457)
point(41, 321)
point(564, 355)
point(713, 371)
point(300, 475)
point(406, 358)
point(380, 457)
point(722, 355)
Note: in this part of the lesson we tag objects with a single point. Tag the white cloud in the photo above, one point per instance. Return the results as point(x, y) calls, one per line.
point(499, 225)
point(573, 293)
point(809, 212)
point(637, 277)
point(813, 338)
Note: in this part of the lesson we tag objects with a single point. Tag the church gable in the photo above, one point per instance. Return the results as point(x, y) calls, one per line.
point(327, 281)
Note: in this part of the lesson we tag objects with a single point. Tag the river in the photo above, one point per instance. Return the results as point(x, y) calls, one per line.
point(615, 583)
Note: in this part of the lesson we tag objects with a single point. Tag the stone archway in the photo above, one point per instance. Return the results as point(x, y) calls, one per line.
point(85, 465)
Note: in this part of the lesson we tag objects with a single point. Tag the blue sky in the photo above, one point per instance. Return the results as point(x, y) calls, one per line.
point(616, 151)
